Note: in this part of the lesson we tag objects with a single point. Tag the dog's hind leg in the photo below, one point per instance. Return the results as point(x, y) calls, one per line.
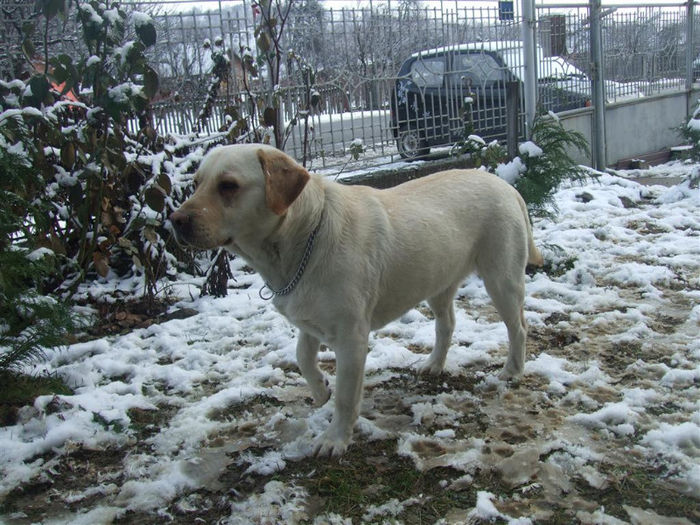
point(508, 296)
point(443, 308)
point(307, 359)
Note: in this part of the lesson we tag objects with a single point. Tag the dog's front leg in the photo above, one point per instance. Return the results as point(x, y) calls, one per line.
point(307, 359)
point(350, 356)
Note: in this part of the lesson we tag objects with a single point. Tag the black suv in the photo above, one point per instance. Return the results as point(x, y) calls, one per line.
point(438, 91)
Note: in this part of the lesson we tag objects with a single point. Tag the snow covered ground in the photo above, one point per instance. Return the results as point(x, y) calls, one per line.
point(207, 419)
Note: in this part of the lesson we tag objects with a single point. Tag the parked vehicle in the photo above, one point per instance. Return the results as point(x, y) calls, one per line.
point(439, 91)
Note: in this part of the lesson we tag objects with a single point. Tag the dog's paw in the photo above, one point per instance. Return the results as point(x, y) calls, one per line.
point(330, 448)
point(430, 367)
point(509, 375)
point(331, 443)
point(322, 393)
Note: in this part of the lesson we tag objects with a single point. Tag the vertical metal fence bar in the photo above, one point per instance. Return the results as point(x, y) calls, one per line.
point(530, 54)
point(689, 38)
point(599, 160)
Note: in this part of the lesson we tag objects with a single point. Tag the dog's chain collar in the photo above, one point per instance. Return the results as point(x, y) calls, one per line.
point(297, 276)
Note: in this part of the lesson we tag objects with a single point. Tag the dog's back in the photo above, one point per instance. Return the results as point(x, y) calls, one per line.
point(426, 235)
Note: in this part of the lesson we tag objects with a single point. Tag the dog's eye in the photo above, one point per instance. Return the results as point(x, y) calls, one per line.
point(228, 187)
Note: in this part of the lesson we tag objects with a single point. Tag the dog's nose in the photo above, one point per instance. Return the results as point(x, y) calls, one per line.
point(180, 220)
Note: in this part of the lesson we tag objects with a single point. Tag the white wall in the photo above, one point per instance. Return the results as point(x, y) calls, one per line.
point(638, 126)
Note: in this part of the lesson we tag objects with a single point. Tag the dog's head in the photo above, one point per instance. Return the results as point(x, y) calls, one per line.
point(241, 191)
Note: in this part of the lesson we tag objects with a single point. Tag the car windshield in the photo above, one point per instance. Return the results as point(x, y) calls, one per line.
point(479, 69)
point(428, 72)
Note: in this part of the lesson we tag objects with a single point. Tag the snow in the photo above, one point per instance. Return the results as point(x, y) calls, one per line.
point(684, 437)
point(485, 510)
point(26, 112)
point(617, 417)
point(141, 19)
point(39, 254)
point(392, 508)
point(612, 375)
point(122, 54)
point(556, 371)
point(694, 124)
point(121, 93)
point(477, 140)
point(679, 443)
point(279, 503)
point(92, 15)
point(511, 171)
point(113, 16)
point(530, 149)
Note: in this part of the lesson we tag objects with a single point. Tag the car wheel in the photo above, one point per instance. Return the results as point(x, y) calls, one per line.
point(410, 145)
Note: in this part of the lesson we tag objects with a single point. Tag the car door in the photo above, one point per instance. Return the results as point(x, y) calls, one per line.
point(426, 98)
point(478, 93)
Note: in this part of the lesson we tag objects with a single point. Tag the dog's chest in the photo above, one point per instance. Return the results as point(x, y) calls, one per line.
point(302, 315)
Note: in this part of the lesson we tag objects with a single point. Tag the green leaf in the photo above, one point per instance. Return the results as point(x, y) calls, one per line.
point(147, 34)
point(139, 102)
point(164, 183)
point(155, 199)
point(60, 71)
point(269, 116)
point(126, 245)
point(39, 85)
point(51, 8)
point(150, 82)
point(150, 235)
point(101, 262)
point(134, 55)
point(263, 42)
point(315, 98)
point(68, 154)
point(28, 29)
point(232, 111)
point(113, 108)
point(28, 47)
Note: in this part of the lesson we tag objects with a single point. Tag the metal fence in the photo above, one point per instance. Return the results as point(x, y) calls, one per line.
point(401, 76)
point(644, 46)
point(367, 99)
point(356, 54)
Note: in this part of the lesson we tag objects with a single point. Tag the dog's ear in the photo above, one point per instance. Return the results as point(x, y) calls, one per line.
point(284, 179)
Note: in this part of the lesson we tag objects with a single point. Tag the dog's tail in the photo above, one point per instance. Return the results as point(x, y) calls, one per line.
point(534, 256)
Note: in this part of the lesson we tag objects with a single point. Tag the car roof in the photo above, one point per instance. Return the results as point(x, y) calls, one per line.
point(513, 55)
point(496, 45)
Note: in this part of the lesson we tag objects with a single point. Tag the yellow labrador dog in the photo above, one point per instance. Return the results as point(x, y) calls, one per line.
point(343, 260)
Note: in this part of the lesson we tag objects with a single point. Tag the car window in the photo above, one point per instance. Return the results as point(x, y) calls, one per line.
point(478, 69)
point(428, 72)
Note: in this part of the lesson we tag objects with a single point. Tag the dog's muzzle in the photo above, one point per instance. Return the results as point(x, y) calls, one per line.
point(182, 226)
point(189, 232)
